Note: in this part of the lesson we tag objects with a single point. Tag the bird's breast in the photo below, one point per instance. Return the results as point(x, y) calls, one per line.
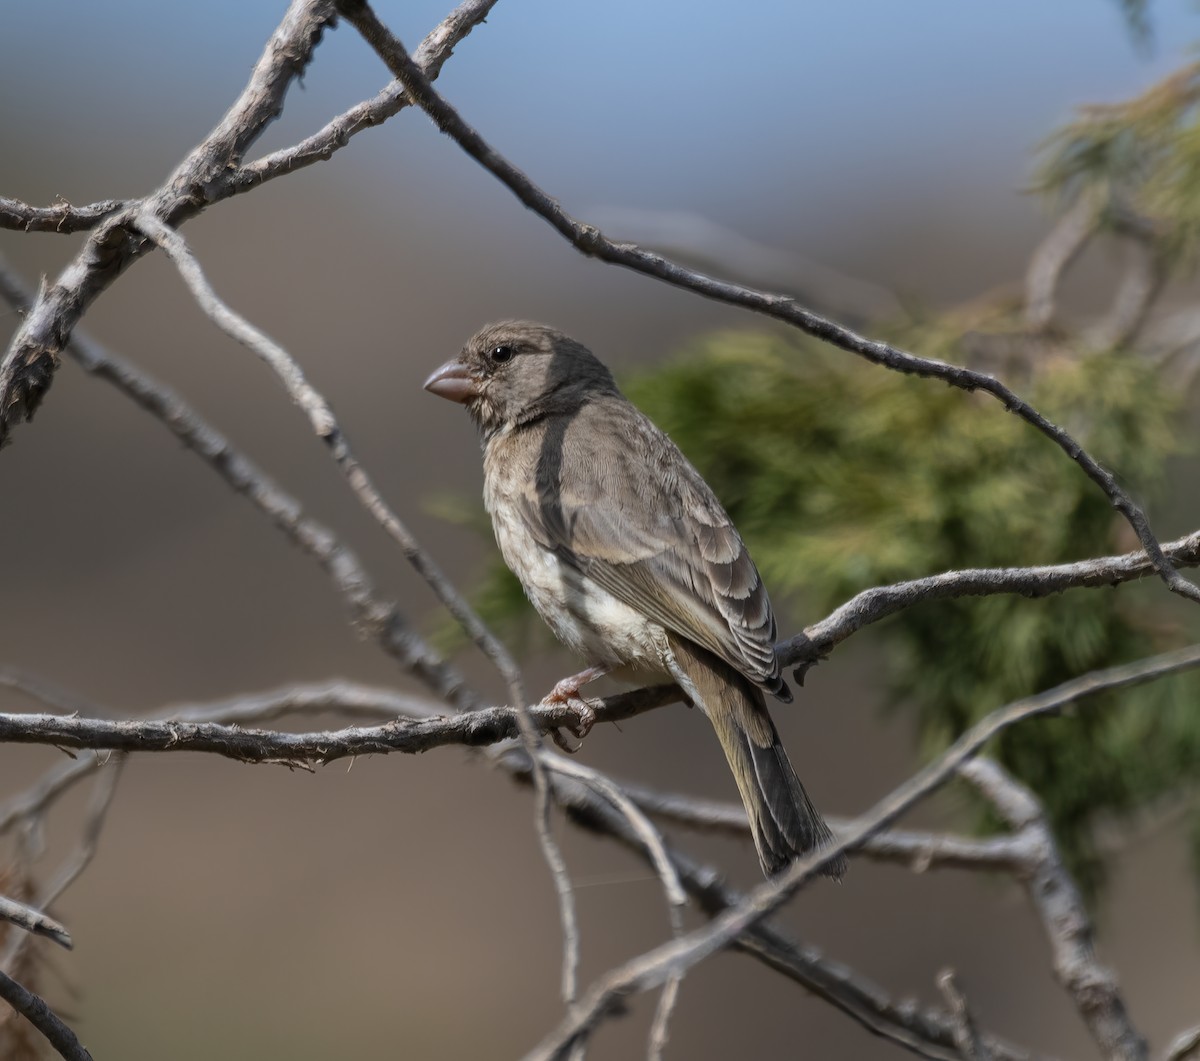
point(582, 614)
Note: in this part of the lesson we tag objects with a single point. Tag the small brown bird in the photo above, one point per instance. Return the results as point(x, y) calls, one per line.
point(629, 557)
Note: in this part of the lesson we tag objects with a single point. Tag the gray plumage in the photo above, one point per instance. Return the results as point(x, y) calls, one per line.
point(628, 556)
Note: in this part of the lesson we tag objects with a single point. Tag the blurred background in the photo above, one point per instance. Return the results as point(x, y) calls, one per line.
point(869, 155)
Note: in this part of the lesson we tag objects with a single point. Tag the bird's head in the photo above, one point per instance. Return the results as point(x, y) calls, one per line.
point(516, 372)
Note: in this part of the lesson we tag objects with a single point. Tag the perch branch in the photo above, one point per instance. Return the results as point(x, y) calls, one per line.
point(62, 217)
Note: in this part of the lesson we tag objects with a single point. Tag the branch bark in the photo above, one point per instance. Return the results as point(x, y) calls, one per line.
point(42, 1017)
point(651, 969)
point(1064, 916)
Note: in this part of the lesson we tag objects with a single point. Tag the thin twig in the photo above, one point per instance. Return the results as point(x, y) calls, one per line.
point(918, 850)
point(324, 423)
point(381, 620)
point(40, 924)
point(42, 1017)
point(78, 861)
point(651, 969)
point(660, 859)
point(927, 1033)
point(590, 241)
point(1185, 1046)
point(966, 1033)
point(321, 417)
point(433, 52)
point(212, 171)
point(28, 368)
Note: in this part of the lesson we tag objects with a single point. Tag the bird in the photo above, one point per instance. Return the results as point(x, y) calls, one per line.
point(629, 558)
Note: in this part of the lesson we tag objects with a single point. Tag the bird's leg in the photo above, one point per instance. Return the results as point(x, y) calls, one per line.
point(567, 692)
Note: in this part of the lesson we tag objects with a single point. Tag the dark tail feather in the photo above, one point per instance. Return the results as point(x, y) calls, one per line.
point(784, 823)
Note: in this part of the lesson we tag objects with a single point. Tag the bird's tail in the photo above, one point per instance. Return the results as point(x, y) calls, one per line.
point(784, 823)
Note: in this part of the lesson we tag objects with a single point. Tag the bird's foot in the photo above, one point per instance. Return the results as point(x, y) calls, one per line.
point(567, 692)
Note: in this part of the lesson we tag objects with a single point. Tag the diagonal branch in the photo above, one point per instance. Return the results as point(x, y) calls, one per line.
point(1061, 246)
point(28, 368)
point(431, 55)
point(379, 619)
point(324, 423)
point(321, 417)
point(42, 1017)
point(212, 171)
point(590, 241)
point(651, 969)
point(927, 1033)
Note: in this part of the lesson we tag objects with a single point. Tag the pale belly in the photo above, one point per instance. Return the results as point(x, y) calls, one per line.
point(584, 616)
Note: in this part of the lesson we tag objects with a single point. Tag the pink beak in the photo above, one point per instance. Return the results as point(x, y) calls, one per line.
point(454, 382)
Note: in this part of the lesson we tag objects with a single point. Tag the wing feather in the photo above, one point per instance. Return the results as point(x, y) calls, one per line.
point(641, 522)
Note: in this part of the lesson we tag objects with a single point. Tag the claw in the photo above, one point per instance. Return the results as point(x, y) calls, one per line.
point(567, 692)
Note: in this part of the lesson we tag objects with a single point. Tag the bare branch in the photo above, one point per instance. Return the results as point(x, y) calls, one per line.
point(590, 241)
point(34, 921)
point(698, 240)
point(919, 851)
point(346, 698)
point(1063, 915)
point(1140, 285)
point(871, 605)
point(378, 619)
point(62, 217)
point(212, 171)
point(1185, 1046)
point(1059, 248)
point(320, 415)
point(660, 859)
point(28, 368)
point(42, 1017)
point(473, 729)
point(652, 968)
point(966, 1035)
point(927, 1033)
point(433, 52)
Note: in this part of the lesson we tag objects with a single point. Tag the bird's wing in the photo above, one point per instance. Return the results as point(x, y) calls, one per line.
point(638, 519)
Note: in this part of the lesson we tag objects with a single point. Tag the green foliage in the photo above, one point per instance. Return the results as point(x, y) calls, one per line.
point(842, 477)
point(1138, 161)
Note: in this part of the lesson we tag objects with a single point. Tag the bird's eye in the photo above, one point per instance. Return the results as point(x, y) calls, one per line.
point(501, 354)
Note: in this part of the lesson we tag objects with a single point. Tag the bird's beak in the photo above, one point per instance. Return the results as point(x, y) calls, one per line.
point(454, 382)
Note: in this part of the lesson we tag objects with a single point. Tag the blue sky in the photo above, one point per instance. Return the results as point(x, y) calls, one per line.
point(794, 122)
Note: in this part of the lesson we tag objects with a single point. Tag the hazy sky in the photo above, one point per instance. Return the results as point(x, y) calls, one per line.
point(807, 99)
